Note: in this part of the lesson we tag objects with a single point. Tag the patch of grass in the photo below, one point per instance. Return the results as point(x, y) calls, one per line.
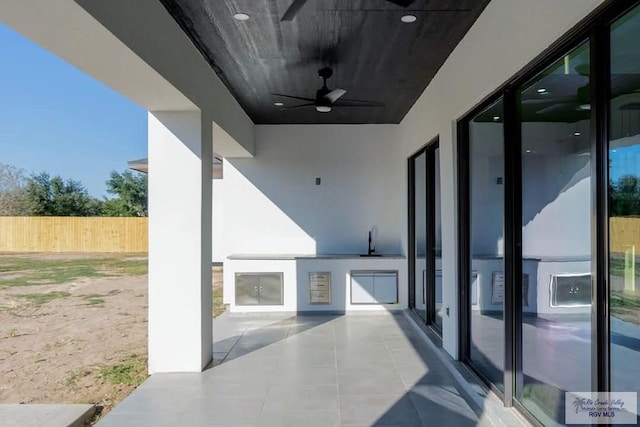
point(626, 300)
point(32, 271)
point(39, 299)
point(616, 267)
point(130, 267)
point(218, 306)
point(98, 299)
point(72, 379)
point(626, 306)
point(131, 371)
point(93, 299)
point(51, 276)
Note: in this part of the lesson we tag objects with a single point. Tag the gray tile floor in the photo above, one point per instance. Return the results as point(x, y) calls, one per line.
point(354, 370)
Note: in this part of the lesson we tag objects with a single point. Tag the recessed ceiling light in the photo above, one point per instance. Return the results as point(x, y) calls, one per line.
point(496, 118)
point(323, 108)
point(241, 16)
point(278, 104)
point(408, 19)
point(528, 151)
point(542, 91)
point(577, 134)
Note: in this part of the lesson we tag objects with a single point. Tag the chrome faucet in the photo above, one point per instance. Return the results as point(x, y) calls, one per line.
point(371, 250)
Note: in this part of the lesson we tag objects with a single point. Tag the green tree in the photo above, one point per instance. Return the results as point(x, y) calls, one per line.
point(131, 194)
point(12, 194)
point(625, 196)
point(47, 196)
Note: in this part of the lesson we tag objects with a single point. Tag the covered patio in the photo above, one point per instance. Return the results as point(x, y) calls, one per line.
point(315, 370)
point(468, 128)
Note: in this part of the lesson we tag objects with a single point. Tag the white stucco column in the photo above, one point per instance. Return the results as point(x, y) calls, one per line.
point(180, 321)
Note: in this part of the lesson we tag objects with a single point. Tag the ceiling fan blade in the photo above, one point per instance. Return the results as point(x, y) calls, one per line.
point(335, 94)
point(359, 102)
point(550, 100)
point(298, 106)
point(294, 97)
point(403, 3)
point(555, 108)
point(293, 10)
point(348, 104)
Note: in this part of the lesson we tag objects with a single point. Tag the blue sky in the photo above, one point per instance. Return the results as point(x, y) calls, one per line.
point(56, 118)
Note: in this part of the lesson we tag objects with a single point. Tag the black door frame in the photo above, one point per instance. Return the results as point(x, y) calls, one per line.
point(430, 269)
point(595, 29)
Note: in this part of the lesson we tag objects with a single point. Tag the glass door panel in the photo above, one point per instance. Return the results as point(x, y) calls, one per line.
point(624, 204)
point(420, 216)
point(556, 237)
point(437, 250)
point(486, 285)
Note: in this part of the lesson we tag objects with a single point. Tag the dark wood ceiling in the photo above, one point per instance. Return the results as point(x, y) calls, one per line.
point(374, 55)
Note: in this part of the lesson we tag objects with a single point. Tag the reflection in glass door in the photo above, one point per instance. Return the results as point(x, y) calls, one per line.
point(556, 236)
point(624, 204)
point(420, 237)
point(425, 235)
point(437, 242)
point(485, 285)
point(571, 290)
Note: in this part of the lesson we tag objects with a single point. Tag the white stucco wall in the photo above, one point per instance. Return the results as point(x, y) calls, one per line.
point(272, 205)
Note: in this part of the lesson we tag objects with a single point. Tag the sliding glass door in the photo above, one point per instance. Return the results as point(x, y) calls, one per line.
point(624, 203)
point(425, 235)
point(420, 236)
point(556, 236)
point(549, 232)
point(485, 283)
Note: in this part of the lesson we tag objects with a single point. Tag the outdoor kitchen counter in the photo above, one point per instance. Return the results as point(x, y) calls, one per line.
point(310, 282)
point(282, 257)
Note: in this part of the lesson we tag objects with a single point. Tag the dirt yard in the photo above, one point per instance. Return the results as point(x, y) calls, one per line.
point(73, 328)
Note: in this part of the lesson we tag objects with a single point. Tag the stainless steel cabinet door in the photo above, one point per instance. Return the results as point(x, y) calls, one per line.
point(385, 288)
point(247, 289)
point(270, 289)
point(362, 289)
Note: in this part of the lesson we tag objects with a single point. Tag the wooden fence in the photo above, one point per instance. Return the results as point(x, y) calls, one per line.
point(100, 234)
point(624, 232)
point(73, 234)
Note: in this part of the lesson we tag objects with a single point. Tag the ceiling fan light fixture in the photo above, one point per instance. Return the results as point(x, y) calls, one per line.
point(241, 17)
point(408, 19)
point(323, 109)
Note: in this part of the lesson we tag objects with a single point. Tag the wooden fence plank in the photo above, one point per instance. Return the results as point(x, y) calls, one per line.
point(73, 234)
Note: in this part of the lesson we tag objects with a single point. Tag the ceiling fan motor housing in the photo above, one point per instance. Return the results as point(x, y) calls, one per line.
point(321, 96)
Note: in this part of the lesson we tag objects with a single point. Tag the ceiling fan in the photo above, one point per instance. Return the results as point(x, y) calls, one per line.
point(296, 5)
point(579, 102)
point(327, 98)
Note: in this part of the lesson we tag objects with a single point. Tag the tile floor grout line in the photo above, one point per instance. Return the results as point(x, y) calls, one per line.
point(407, 391)
point(335, 365)
point(233, 346)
